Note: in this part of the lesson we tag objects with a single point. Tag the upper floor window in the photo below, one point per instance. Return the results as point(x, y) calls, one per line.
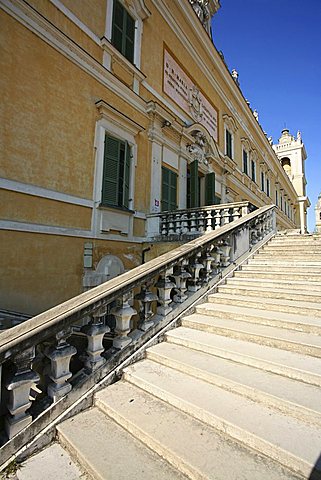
point(276, 198)
point(123, 31)
point(116, 171)
point(253, 170)
point(262, 182)
point(228, 144)
point(268, 187)
point(245, 162)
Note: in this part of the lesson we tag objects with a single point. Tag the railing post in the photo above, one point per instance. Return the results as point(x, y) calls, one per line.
point(123, 313)
point(19, 386)
point(164, 287)
point(226, 216)
point(60, 356)
point(95, 332)
point(145, 299)
point(236, 213)
point(216, 262)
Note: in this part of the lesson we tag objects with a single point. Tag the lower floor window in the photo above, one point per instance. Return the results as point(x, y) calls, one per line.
point(116, 172)
point(169, 189)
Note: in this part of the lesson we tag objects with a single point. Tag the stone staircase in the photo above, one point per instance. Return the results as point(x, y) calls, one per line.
point(233, 393)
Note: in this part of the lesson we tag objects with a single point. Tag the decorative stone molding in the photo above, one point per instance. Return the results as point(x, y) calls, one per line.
point(205, 9)
point(230, 123)
point(107, 112)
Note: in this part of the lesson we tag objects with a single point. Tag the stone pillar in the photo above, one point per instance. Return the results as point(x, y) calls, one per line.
point(302, 217)
point(156, 175)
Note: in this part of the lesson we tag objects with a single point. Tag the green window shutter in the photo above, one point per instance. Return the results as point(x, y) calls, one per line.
point(126, 176)
point(129, 38)
point(210, 188)
point(194, 184)
point(118, 26)
point(253, 173)
point(123, 31)
point(245, 163)
point(169, 189)
point(111, 171)
point(228, 142)
point(165, 189)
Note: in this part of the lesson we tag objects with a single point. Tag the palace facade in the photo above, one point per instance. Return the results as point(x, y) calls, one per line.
point(114, 111)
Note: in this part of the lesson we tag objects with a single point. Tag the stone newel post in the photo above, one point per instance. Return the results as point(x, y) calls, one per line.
point(123, 314)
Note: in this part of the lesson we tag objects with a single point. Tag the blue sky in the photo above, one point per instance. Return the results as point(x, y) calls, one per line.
point(275, 45)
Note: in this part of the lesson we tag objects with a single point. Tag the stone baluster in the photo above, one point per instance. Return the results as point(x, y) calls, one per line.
point(146, 299)
point(123, 313)
point(60, 355)
point(95, 332)
point(225, 255)
point(236, 213)
point(201, 221)
point(193, 223)
point(206, 260)
point(184, 224)
point(226, 216)
point(217, 217)
point(164, 225)
point(253, 233)
point(216, 259)
point(245, 210)
point(171, 228)
point(178, 224)
point(209, 219)
point(195, 267)
point(181, 276)
point(19, 386)
point(164, 287)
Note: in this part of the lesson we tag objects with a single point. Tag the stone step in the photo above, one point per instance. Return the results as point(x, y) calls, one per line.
point(257, 260)
point(294, 248)
point(187, 442)
point(296, 241)
point(296, 269)
point(286, 395)
point(106, 450)
point(283, 320)
point(275, 275)
point(282, 362)
point(293, 341)
point(312, 309)
point(47, 463)
point(269, 292)
point(279, 284)
point(307, 256)
point(291, 442)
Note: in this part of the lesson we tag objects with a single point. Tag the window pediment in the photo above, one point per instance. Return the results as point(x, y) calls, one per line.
point(230, 123)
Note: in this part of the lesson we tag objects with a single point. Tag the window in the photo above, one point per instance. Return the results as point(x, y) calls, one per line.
point(281, 199)
point(245, 162)
point(262, 182)
point(253, 170)
point(123, 31)
point(268, 187)
point(169, 189)
point(228, 144)
point(115, 185)
point(276, 198)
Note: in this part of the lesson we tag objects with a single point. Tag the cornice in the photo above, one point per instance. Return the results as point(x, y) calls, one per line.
point(31, 19)
point(107, 112)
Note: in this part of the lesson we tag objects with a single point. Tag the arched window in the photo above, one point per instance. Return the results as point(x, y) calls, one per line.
point(286, 164)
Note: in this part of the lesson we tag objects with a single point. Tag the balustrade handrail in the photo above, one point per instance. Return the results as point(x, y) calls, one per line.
point(218, 206)
point(65, 314)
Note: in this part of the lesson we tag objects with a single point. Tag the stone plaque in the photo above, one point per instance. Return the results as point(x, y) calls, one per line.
point(181, 88)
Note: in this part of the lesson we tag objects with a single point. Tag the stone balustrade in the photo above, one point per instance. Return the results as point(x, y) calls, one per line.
point(60, 354)
point(190, 223)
